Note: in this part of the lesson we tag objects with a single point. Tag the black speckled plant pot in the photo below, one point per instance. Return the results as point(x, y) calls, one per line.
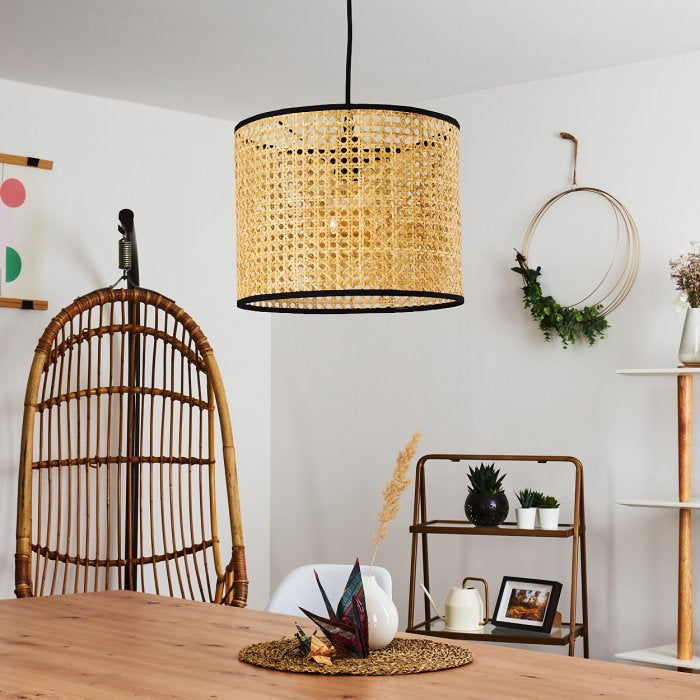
point(486, 509)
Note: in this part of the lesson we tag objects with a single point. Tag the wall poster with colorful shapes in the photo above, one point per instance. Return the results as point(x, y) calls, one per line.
point(22, 231)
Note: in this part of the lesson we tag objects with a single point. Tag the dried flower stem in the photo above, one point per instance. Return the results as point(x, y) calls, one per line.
point(685, 270)
point(393, 490)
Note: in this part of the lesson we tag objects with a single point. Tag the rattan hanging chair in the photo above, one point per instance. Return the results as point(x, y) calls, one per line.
point(117, 465)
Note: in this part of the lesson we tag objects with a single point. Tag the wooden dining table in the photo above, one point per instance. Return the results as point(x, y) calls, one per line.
point(124, 644)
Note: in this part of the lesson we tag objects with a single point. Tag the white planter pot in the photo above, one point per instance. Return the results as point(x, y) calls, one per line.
point(382, 615)
point(549, 518)
point(689, 351)
point(526, 518)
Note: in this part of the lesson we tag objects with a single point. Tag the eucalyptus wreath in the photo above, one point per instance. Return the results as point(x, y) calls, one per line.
point(569, 322)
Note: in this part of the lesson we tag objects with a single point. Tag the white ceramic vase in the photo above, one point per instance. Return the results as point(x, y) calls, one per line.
point(382, 615)
point(689, 351)
point(549, 518)
point(525, 518)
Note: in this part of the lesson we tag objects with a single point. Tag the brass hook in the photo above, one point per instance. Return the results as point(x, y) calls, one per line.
point(570, 137)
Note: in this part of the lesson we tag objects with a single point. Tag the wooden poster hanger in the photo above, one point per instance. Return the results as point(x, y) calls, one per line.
point(28, 161)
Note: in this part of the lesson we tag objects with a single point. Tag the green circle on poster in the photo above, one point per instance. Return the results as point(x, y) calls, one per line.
point(13, 264)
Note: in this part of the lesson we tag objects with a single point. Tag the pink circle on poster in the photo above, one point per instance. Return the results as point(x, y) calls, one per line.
point(12, 193)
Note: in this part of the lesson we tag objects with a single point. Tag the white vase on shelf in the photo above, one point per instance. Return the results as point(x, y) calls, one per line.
point(382, 615)
point(689, 351)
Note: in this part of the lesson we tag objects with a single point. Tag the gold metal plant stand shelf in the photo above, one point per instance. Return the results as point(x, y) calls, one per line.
point(562, 634)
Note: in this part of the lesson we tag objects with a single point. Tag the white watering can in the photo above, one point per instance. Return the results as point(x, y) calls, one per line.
point(464, 609)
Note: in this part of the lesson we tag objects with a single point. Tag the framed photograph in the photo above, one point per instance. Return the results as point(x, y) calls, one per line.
point(527, 604)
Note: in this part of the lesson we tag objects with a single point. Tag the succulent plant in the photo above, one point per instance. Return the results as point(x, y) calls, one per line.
point(529, 498)
point(548, 502)
point(485, 479)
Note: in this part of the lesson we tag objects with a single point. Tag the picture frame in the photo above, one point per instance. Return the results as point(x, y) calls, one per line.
point(527, 604)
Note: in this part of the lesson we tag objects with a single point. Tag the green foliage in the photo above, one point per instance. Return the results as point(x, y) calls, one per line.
point(485, 479)
point(569, 322)
point(548, 502)
point(529, 498)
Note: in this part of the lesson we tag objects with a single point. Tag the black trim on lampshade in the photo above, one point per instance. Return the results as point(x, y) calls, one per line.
point(451, 300)
point(347, 106)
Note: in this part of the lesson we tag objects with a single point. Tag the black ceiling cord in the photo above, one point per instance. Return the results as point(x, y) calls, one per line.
point(348, 55)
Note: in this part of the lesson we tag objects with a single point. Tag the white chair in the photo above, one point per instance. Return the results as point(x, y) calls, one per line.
point(299, 588)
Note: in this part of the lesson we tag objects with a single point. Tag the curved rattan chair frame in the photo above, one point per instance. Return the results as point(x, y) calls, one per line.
point(75, 476)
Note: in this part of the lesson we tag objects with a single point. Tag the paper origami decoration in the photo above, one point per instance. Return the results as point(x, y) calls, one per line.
point(313, 648)
point(303, 639)
point(346, 628)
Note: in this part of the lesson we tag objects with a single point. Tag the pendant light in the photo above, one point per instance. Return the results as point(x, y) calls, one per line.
point(348, 208)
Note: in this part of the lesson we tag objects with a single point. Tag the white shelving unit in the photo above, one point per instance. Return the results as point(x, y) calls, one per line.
point(673, 371)
point(665, 655)
point(681, 655)
point(694, 503)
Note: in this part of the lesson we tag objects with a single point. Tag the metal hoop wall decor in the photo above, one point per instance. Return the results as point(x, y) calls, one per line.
point(604, 298)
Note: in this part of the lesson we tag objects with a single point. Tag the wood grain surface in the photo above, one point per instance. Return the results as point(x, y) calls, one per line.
point(123, 644)
point(685, 559)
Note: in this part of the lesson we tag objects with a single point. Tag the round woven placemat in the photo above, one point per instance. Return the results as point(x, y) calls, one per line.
point(400, 657)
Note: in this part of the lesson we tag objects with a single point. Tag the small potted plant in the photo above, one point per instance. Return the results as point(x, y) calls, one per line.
point(548, 510)
point(487, 503)
point(525, 515)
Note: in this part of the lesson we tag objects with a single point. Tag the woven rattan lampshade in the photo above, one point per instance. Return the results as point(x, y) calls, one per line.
point(348, 208)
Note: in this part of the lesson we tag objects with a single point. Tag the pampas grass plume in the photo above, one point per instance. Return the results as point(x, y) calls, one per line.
point(394, 489)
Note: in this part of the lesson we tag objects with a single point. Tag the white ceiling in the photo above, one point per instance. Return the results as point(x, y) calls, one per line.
point(230, 58)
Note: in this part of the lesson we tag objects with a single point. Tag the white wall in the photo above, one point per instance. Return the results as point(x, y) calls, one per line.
point(175, 171)
point(348, 391)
